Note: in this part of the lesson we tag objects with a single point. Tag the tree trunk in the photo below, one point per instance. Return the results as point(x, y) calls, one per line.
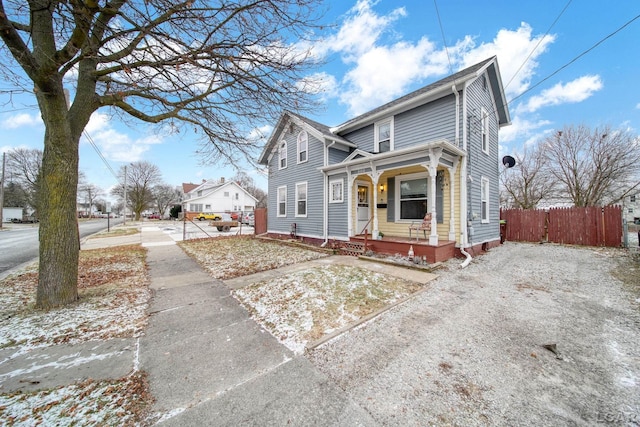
point(59, 236)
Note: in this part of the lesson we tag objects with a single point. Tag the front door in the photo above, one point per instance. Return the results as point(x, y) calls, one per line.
point(363, 212)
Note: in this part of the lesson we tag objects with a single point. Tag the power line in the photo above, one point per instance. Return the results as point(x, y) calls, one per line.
point(444, 40)
point(576, 58)
point(538, 44)
point(95, 147)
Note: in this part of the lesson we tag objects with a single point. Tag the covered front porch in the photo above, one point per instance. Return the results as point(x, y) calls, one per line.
point(392, 245)
point(388, 192)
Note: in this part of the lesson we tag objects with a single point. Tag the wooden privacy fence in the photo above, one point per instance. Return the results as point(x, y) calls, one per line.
point(591, 226)
point(260, 217)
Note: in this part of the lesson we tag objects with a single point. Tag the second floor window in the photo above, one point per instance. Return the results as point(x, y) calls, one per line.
point(303, 146)
point(282, 155)
point(485, 131)
point(484, 198)
point(384, 136)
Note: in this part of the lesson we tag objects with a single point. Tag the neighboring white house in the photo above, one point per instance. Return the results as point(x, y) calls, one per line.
point(632, 208)
point(217, 196)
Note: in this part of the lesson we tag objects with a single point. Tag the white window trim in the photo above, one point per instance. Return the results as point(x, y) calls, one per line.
point(376, 146)
point(484, 124)
point(306, 200)
point(484, 198)
point(408, 177)
point(298, 144)
point(331, 184)
point(286, 154)
point(278, 202)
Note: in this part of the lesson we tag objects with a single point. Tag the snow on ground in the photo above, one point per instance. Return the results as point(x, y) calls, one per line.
point(230, 257)
point(113, 296)
point(302, 307)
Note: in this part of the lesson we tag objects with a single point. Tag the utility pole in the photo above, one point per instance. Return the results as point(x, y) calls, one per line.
point(125, 195)
point(4, 158)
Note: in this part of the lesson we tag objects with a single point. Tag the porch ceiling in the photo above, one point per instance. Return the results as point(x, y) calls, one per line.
point(449, 153)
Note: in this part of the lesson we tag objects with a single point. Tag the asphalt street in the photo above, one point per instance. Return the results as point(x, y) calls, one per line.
point(19, 242)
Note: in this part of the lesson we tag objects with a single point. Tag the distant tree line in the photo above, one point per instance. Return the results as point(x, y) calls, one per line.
point(576, 165)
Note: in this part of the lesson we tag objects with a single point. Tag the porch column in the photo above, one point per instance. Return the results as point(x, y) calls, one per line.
point(434, 159)
point(452, 210)
point(350, 181)
point(375, 177)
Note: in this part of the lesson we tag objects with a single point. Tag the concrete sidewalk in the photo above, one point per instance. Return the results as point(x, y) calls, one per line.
point(209, 363)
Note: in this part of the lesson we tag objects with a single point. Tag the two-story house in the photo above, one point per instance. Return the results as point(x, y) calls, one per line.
point(434, 151)
point(216, 197)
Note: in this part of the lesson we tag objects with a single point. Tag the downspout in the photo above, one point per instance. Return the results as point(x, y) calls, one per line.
point(463, 179)
point(325, 202)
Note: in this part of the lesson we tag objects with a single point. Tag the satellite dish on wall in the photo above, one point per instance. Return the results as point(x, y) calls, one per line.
point(508, 161)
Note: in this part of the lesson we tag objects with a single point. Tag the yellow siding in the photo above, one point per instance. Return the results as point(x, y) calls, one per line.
point(401, 229)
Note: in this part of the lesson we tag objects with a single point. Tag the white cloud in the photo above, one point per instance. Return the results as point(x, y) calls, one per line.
point(20, 120)
point(115, 145)
point(575, 91)
point(638, 106)
point(373, 59)
point(522, 128)
point(513, 49)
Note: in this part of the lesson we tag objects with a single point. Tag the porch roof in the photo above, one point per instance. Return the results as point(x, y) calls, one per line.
point(389, 156)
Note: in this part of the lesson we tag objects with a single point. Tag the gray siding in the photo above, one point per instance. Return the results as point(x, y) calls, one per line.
point(426, 123)
point(310, 226)
point(337, 156)
point(363, 138)
point(338, 223)
point(482, 165)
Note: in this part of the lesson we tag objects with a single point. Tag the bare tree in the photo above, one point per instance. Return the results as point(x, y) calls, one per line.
point(245, 181)
point(89, 193)
point(141, 178)
point(529, 182)
point(221, 68)
point(594, 166)
point(165, 195)
point(24, 167)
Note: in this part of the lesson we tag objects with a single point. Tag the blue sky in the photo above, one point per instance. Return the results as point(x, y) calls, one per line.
point(376, 51)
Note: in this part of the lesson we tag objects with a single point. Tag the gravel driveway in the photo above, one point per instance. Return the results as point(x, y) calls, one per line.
point(470, 350)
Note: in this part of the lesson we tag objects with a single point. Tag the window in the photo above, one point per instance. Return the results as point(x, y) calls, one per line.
point(199, 193)
point(226, 194)
point(384, 136)
point(282, 201)
point(301, 199)
point(237, 196)
point(207, 207)
point(632, 198)
point(412, 190)
point(282, 155)
point(335, 191)
point(195, 207)
point(303, 146)
point(485, 200)
point(485, 131)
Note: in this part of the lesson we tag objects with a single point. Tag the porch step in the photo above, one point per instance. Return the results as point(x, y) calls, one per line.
point(352, 248)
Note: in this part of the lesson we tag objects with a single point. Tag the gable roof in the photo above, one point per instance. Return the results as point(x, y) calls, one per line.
point(320, 131)
point(434, 91)
point(213, 187)
point(187, 187)
point(418, 97)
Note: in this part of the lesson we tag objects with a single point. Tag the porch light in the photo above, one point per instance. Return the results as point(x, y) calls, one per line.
point(382, 188)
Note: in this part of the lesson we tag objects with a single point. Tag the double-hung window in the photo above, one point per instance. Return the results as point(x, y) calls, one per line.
point(413, 196)
point(384, 136)
point(282, 201)
point(303, 146)
point(484, 199)
point(301, 199)
point(282, 155)
point(485, 131)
